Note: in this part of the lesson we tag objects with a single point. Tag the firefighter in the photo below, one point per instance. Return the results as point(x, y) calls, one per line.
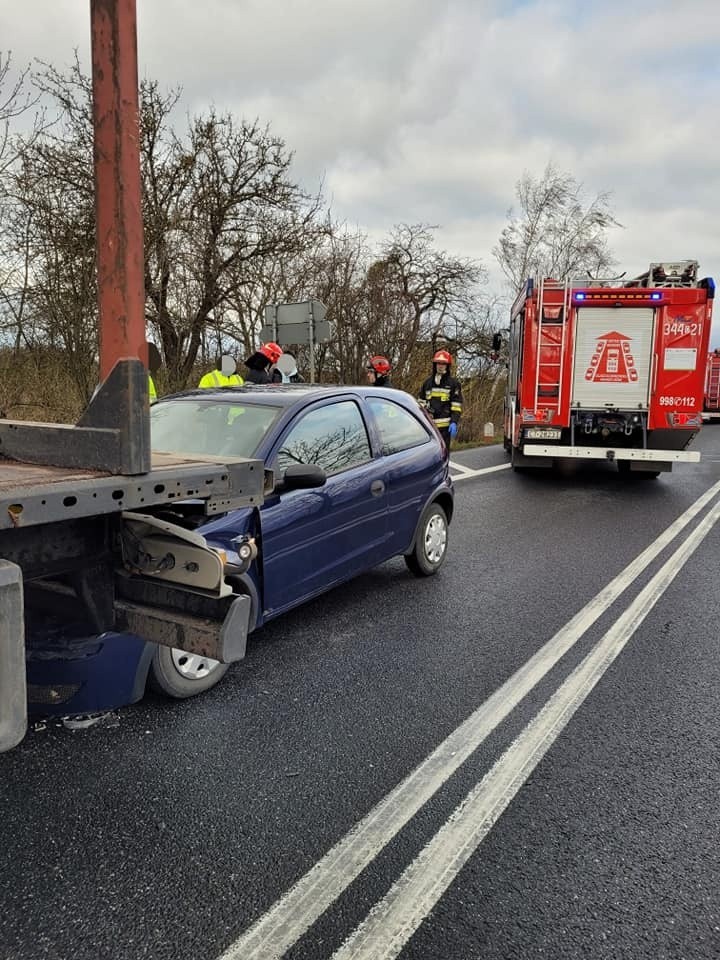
point(152, 389)
point(442, 397)
point(258, 363)
point(378, 371)
point(224, 375)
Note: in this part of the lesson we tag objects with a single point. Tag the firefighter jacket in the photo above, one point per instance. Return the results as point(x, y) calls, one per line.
point(257, 376)
point(443, 400)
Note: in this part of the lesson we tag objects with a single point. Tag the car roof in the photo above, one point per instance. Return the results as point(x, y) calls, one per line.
point(281, 394)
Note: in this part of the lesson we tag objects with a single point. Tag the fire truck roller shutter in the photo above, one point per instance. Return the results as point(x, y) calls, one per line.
point(613, 357)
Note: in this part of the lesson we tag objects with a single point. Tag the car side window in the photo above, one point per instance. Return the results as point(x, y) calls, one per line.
point(332, 436)
point(399, 430)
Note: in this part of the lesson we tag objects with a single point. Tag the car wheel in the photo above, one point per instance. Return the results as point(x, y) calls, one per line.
point(180, 674)
point(430, 549)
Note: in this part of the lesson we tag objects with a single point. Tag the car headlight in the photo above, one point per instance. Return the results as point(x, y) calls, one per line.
point(246, 551)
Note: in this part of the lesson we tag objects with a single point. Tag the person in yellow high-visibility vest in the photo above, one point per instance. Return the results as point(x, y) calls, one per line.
point(154, 364)
point(225, 376)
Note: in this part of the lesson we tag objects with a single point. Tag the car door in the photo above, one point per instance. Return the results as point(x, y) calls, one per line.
point(414, 465)
point(314, 539)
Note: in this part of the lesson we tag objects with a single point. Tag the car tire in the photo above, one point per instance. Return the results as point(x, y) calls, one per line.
point(430, 545)
point(179, 675)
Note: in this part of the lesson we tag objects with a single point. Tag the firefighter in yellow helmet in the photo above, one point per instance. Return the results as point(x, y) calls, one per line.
point(441, 395)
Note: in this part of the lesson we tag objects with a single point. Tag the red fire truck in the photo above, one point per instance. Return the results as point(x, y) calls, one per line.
point(711, 402)
point(609, 370)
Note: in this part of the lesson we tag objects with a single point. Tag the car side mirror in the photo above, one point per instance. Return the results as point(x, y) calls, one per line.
point(302, 476)
point(496, 343)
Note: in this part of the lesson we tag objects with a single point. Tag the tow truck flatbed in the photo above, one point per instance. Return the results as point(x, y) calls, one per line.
point(32, 494)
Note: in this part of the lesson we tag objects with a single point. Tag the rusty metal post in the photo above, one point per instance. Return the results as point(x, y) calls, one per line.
point(121, 298)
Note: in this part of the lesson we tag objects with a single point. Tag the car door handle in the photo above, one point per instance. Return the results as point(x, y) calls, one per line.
point(377, 488)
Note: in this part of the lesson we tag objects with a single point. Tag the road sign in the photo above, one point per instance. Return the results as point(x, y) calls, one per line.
point(301, 323)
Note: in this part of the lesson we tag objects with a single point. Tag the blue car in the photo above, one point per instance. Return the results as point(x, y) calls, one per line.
point(360, 475)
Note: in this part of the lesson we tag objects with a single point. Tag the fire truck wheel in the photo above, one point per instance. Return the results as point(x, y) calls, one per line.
point(625, 471)
point(514, 457)
point(430, 548)
point(179, 674)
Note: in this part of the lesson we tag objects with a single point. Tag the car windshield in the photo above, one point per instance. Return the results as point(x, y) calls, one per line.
point(209, 428)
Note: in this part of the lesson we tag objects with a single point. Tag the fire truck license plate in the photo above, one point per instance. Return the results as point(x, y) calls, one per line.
point(542, 433)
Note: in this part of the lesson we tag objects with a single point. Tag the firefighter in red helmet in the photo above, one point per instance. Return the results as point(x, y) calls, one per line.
point(258, 363)
point(441, 395)
point(378, 371)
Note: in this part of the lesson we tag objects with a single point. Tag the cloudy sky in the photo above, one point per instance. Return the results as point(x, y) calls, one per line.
point(429, 111)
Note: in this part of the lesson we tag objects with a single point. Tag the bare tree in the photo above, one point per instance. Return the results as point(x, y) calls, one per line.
point(16, 100)
point(559, 232)
point(432, 289)
point(50, 226)
point(338, 272)
point(285, 274)
point(217, 201)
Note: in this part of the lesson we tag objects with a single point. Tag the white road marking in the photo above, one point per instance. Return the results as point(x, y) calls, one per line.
point(392, 921)
point(291, 916)
point(460, 466)
point(467, 472)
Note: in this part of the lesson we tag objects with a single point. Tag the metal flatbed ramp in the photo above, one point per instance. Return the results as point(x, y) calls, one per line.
point(31, 494)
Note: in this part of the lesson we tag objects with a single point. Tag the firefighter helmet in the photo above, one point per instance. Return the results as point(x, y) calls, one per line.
point(272, 351)
point(442, 356)
point(381, 365)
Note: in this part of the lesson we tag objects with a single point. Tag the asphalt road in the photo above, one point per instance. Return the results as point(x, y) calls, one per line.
point(574, 814)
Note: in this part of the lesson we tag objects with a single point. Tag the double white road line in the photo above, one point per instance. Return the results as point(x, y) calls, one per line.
point(392, 921)
point(461, 472)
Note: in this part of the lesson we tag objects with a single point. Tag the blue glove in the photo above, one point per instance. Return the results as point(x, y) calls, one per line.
point(452, 430)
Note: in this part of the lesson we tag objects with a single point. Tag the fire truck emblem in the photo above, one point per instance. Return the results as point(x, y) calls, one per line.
point(612, 361)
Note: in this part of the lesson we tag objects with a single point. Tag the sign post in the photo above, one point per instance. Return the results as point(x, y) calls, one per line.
point(303, 324)
point(311, 337)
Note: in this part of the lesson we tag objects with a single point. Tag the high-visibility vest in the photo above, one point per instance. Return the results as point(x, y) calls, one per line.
point(217, 379)
point(151, 389)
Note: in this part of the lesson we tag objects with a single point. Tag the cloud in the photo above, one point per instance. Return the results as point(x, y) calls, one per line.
point(419, 111)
